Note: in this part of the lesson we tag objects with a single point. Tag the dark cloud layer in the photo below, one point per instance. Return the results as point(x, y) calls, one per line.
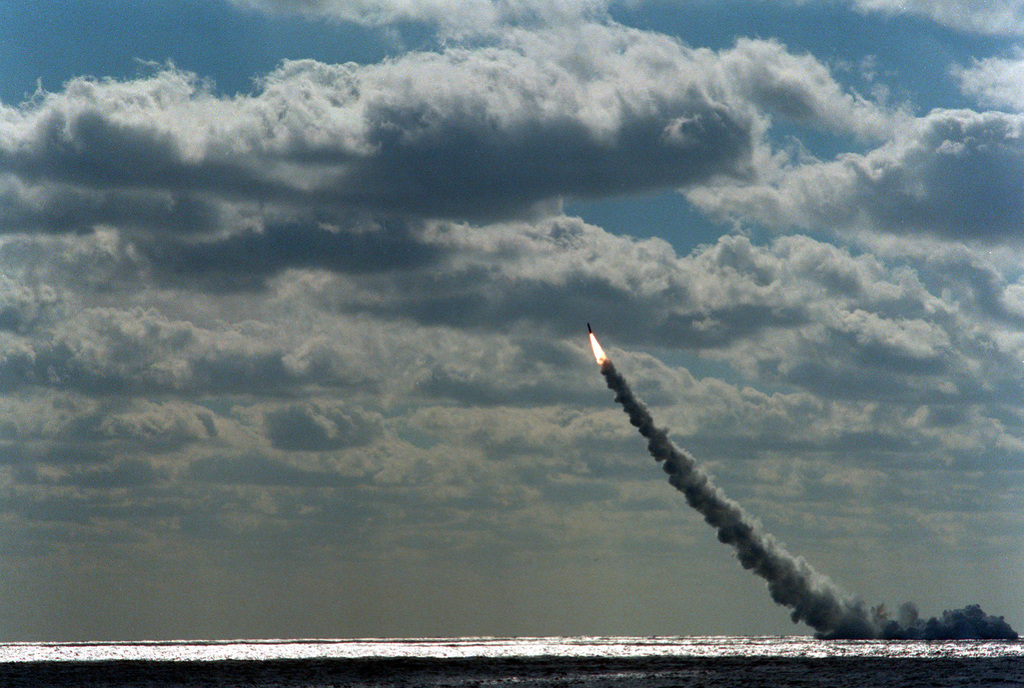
point(110, 352)
point(246, 260)
point(461, 169)
point(257, 470)
point(308, 427)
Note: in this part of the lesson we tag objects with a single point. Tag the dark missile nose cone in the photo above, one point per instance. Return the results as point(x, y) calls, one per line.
point(588, 329)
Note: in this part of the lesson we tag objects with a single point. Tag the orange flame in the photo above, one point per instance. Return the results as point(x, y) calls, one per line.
point(598, 351)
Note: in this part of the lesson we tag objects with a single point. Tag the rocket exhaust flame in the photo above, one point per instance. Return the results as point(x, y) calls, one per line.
point(792, 582)
point(599, 354)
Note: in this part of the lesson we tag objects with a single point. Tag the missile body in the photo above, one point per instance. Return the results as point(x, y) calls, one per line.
point(588, 329)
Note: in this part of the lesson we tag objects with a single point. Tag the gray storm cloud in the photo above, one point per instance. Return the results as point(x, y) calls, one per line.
point(792, 582)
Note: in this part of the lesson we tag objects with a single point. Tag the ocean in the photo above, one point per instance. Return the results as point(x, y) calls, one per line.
point(650, 662)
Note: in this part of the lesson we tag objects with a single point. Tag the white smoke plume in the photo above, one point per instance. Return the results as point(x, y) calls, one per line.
point(813, 598)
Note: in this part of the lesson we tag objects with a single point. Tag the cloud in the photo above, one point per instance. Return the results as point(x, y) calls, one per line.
point(249, 259)
point(853, 326)
point(1005, 18)
point(346, 168)
point(343, 315)
point(259, 470)
point(124, 475)
point(955, 173)
point(480, 437)
point(493, 306)
point(68, 265)
point(474, 132)
point(800, 89)
point(318, 427)
point(115, 352)
point(994, 81)
point(23, 307)
point(157, 426)
point(449, 17)
point(551, 273)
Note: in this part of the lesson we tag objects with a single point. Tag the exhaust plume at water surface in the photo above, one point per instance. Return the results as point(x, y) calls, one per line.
point(792, 582)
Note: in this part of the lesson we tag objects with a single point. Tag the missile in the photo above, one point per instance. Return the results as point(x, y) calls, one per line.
point(588, 329)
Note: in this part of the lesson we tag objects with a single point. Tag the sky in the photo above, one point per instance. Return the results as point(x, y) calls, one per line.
point(294, 294)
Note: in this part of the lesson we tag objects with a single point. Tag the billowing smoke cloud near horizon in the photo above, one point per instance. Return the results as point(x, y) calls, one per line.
point(792, 582)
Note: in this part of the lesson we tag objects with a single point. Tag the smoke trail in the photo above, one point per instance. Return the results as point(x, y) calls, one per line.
point(813, 598)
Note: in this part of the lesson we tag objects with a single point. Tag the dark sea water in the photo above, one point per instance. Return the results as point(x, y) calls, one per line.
point(706, 662)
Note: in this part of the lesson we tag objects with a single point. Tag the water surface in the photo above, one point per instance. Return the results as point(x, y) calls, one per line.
point(621, 662)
